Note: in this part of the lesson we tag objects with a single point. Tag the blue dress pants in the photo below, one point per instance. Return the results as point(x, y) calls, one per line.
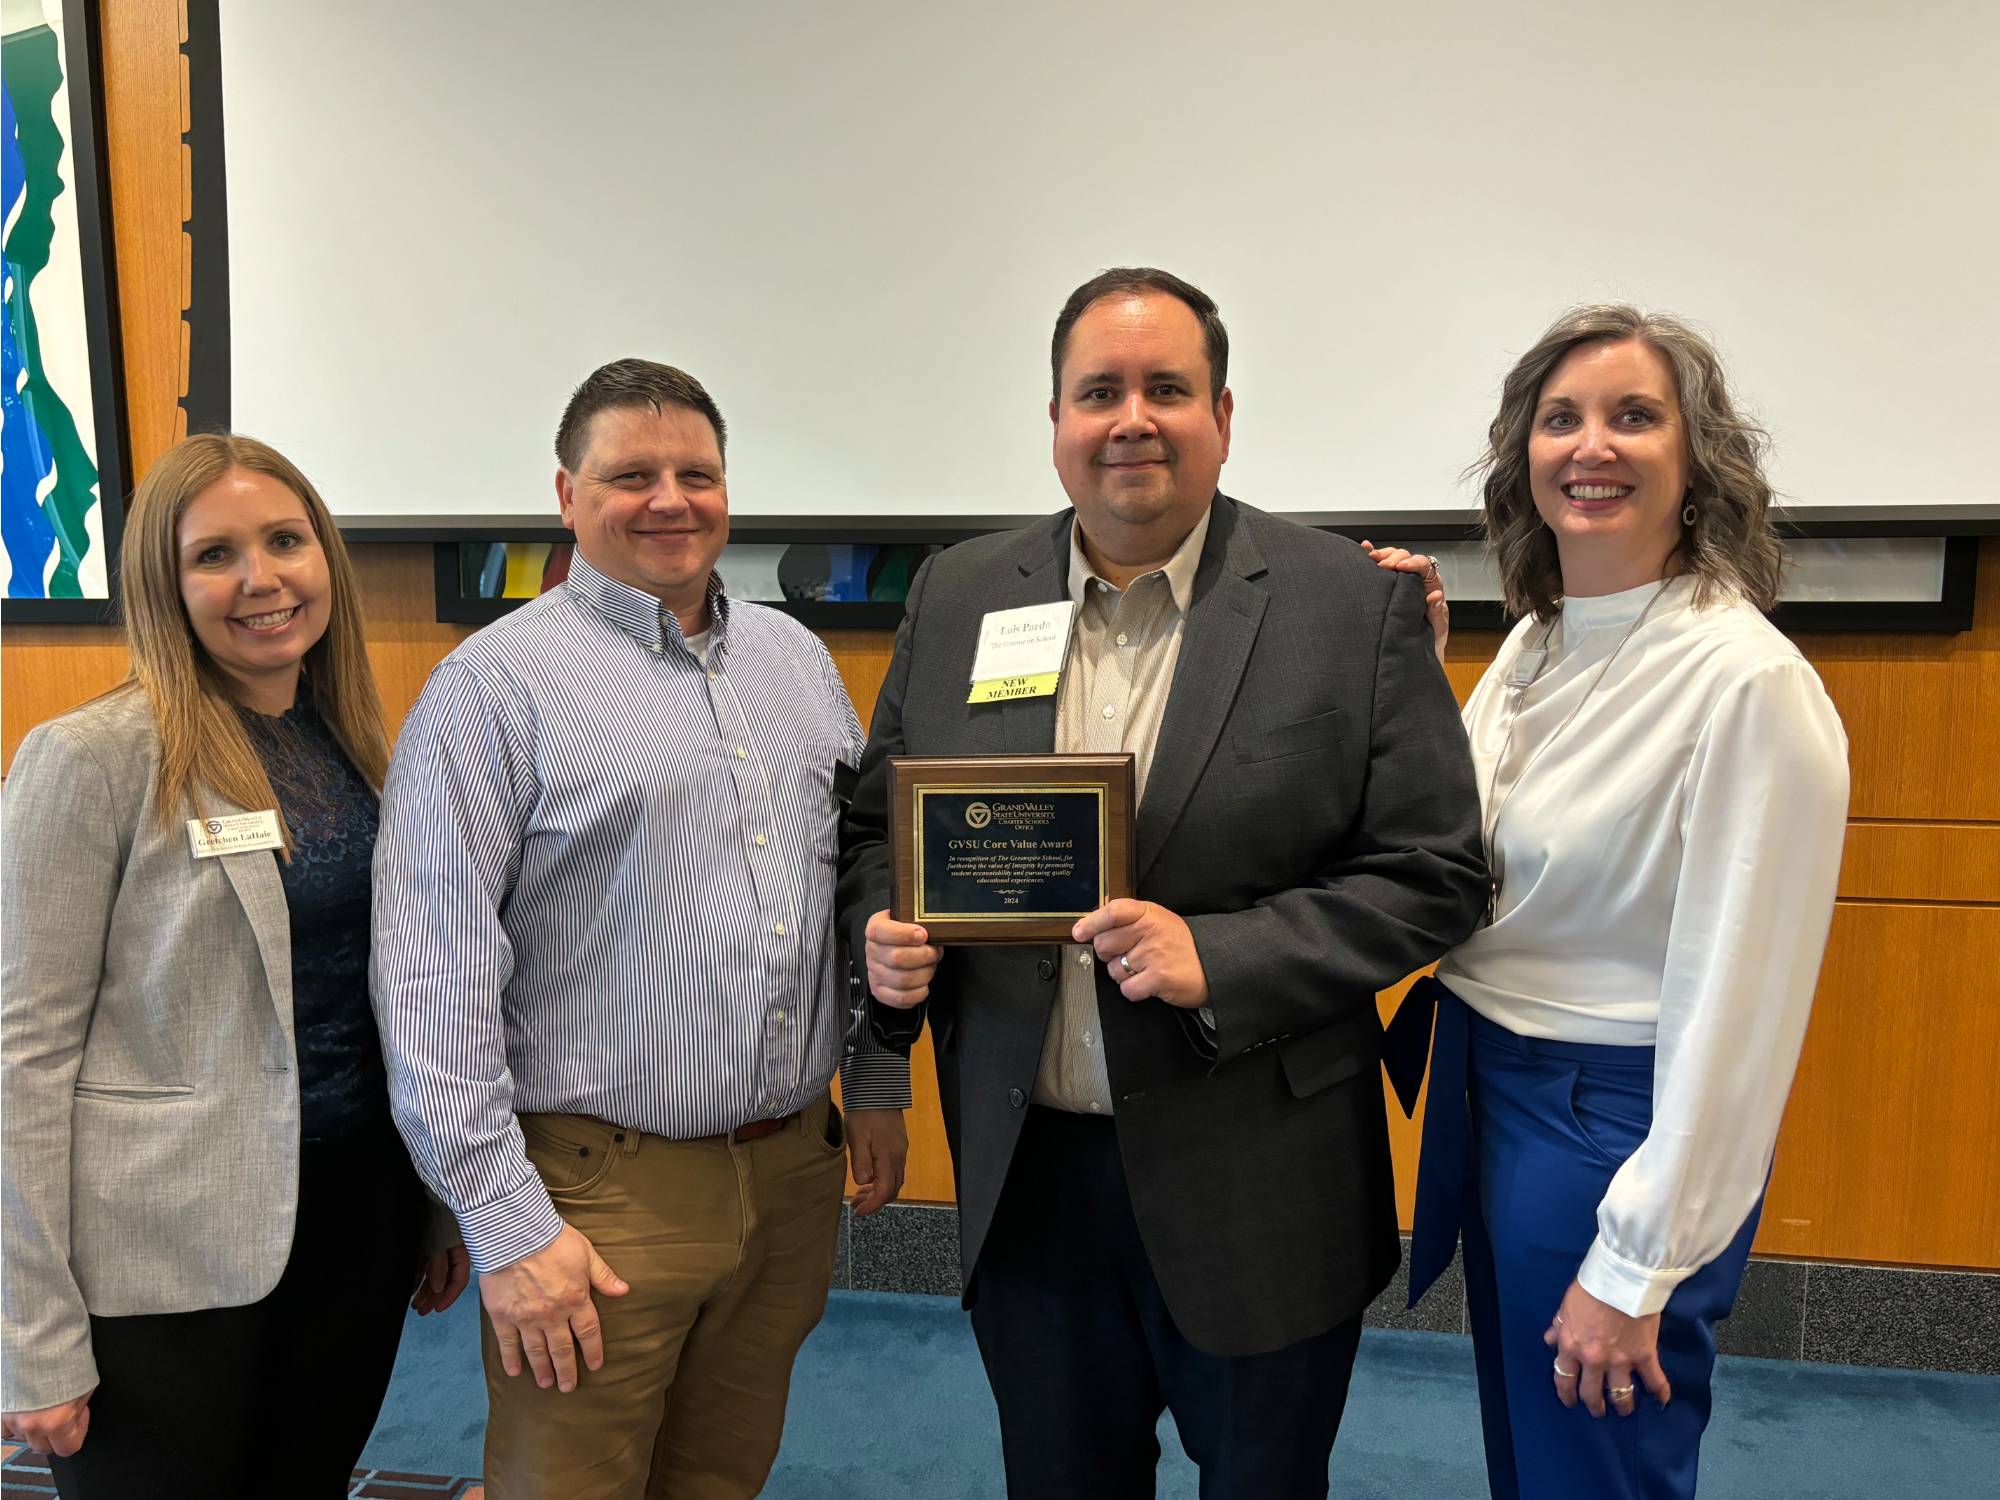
point(1546, 1125)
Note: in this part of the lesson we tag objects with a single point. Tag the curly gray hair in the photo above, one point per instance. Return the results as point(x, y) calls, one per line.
point(1731, 547)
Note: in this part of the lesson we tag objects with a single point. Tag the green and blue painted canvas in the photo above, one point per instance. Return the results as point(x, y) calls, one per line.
point(51, 516)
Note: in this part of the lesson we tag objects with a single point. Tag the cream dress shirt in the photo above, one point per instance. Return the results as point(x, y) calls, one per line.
point(1122, 649)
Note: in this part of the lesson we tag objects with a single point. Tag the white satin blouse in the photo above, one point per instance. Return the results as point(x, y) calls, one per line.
point(1666, 835)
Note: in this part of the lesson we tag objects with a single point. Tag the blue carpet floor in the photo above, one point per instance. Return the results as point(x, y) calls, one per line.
point(889, 1402)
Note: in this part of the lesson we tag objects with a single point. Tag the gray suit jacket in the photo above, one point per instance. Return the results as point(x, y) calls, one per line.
point(150, 1157)
point(1311, 812)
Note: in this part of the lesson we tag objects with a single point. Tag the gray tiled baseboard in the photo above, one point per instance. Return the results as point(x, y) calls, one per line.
point(1914, 1320)
point(1821, 1311)
point(1769, 1318)
point(906, 1247)
point(1441, 1311)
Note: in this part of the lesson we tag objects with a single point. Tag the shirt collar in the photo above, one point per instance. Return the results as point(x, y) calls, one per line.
point(639, 614)
point(1597, 611)
point(1179, 569)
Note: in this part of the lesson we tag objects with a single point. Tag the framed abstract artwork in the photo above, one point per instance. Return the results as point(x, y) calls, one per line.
point(63, 480)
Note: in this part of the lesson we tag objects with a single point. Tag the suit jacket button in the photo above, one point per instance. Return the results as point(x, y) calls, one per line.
point(1016, 1098)
point(1046, 968)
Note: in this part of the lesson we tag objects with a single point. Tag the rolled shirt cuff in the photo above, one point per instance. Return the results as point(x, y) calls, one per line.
point(511, 1228)
point(875, 1080)
point(1635, 1290)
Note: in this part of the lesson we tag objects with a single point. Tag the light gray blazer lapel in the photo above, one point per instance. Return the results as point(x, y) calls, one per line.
point(1222, 623)
point(261, 889)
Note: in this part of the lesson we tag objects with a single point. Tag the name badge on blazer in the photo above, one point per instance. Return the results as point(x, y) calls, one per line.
point(1021, 652)
point(237, 834)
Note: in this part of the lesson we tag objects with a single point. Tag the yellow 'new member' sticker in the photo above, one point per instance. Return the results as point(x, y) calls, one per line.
point(1040, 685)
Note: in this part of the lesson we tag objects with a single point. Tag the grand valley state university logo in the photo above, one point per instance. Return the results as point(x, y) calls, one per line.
point(1029, 816)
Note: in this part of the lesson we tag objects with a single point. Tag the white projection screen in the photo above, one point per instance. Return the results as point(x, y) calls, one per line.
point(855, 223)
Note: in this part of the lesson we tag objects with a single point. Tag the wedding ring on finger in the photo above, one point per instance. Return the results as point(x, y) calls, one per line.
point(1125, 963)
point(1620, 1392)
point(1562, 1374)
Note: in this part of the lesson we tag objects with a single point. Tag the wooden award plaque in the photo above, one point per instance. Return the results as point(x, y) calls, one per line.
point(1008, 848)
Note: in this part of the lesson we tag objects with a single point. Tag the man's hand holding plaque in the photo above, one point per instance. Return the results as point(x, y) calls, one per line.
point(901, 961)
point(1149, 950)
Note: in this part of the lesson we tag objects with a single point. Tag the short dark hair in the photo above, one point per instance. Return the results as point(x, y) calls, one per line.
point(627, 383)
point(1140, 279)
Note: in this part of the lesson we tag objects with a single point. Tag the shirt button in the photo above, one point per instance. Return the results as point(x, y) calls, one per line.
point(781, 1015)
point(1095, 1106)
point(779, 929)
point(657, 648)
point(1110, 712)
point(1046, 968)
point(760, 841)
point(713, 675)
point(1103, 587)
point(741, 753)
point(1084, 958)
point(1016, 1098)
point(1086, 1039)
point(1122, 639)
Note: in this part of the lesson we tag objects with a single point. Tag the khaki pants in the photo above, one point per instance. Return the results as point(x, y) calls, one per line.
point(729, 1252)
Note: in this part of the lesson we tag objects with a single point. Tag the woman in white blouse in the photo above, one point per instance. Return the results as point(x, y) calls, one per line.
point(1664, 789)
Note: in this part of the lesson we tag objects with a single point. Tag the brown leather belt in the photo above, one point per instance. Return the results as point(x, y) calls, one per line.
point(756, 1130)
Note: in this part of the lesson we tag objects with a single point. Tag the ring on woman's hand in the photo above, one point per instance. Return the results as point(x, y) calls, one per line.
point(1562, 1374)
point(1620, 1392)
point(1125, 963)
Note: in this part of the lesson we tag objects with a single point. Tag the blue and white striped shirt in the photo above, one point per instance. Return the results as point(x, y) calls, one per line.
point(604, 886)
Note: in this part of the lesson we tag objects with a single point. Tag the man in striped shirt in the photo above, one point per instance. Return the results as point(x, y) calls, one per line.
point(608, 984)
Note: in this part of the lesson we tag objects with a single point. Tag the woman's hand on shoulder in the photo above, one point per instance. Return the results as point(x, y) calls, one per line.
point(1402, 560)
point(57, 1429)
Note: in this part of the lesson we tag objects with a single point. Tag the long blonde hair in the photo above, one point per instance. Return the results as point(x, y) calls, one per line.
point(204, 749)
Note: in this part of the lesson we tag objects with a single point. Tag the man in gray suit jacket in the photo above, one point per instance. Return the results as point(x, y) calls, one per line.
point(1171, 1146)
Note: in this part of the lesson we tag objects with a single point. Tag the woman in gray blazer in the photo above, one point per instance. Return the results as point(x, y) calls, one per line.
point(210, 1223)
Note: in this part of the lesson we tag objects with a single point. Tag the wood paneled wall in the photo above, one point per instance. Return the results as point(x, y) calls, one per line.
point(1891, 1145)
